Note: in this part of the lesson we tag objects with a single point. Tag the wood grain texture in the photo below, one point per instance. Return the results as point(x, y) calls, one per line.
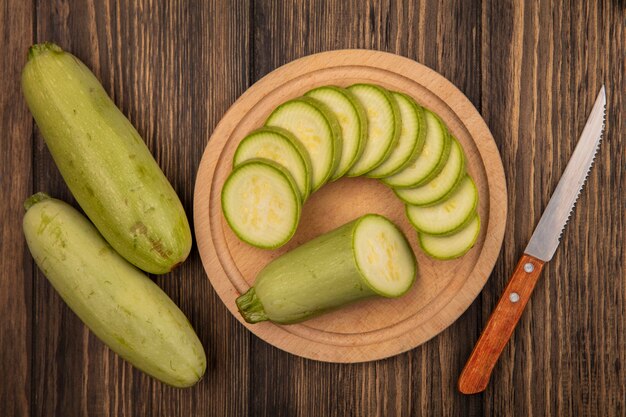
point(174, 85)
point(15, 182)
point(543, 64)
point(532, 68)
point(377, 328)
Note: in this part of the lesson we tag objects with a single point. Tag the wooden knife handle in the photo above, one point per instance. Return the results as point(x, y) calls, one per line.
point(502, 322)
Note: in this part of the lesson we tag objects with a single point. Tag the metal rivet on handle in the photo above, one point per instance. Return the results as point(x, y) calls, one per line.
point(514, 297)
point(528, 267)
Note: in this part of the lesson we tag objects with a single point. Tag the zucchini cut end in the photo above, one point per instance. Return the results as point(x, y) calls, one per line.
point(250, 307)
point(383, 256)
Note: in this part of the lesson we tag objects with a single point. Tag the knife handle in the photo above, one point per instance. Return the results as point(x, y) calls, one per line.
point(502, 322)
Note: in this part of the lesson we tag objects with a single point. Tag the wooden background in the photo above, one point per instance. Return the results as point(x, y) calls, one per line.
point(531, 68)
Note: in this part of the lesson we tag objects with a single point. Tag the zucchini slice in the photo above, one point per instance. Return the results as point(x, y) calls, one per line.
point(282, 147)
point(411, 140)
point(317, 128)
point(366, 257)
point(448, 215)
point(430, 161)
point(442, 185)
point(383, 126)
point(453, 246)
point(261, 203)
point(352, 119)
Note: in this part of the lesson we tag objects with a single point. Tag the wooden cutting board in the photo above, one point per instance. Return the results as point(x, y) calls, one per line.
point(376, 328)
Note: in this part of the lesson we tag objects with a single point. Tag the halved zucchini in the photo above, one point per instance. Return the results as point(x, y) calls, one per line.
point(448, 215)
point(430, 161)
point(280, 146)
point(383, 126)
point(352, 119)
point(317, 128)
point(261, 203)
point(366, 257)
point(442, 185)
point(452, 246)
point(411, 140)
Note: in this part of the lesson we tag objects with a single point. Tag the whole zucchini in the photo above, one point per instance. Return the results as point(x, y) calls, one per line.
point(366, 257)
point(119, 303)
point(104, 161)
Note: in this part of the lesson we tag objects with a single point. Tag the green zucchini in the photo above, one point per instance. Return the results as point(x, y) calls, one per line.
point(282, 147)
point(440, 187)
point(317, 128)
point(449, 215)
point(261, 203)
point(454, 245)
point(352, 119)
point(410, 141)
point(384, 123)
point(366, 257)
point(119, 303)
point(104, 161)
point(430, 161)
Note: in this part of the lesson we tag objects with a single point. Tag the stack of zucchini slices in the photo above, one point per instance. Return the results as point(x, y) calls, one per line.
point(364, 129)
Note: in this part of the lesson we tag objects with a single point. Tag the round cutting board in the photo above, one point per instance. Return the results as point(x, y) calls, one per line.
point(376, 328)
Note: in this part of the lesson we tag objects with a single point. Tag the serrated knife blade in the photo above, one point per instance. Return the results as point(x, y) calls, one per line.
point(540, 249)
point(547, 234)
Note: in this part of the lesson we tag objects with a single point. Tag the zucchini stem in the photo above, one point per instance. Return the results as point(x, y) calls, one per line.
point(41, 48)
point(250, 307)
point(34, 199)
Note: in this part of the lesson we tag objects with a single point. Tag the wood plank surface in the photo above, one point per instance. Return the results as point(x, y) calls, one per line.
point(16, 272)
point(543, 65)
point(174, 85)
point(532, 68)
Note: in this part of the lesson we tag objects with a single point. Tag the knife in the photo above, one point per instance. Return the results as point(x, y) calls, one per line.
point(540, 249)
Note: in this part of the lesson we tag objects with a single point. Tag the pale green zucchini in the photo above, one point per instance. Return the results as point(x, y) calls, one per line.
point(384, 123)
point(119, 303)
point(440, 187)
point(317, 128)
point(430, 161)
point(261, 203)
point(454, 245)
point(366, 257)
point(104, 161)
point(352, 119)
point(449, 215)
point(410, 141)
point(282, 147)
